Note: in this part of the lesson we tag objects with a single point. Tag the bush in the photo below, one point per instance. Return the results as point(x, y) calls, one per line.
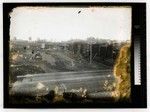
point(122, 74)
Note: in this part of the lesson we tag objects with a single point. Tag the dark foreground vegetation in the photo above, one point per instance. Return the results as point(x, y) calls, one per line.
point(52, 98)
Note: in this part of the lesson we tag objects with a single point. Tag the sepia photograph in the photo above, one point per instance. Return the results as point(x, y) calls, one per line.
point(63, 55)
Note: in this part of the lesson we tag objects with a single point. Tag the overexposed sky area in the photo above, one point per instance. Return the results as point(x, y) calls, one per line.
point(62, 24)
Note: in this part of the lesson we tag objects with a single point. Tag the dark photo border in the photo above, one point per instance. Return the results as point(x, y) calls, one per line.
point(138, 92)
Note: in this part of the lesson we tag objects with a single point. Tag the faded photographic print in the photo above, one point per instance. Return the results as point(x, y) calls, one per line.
point(65, 55)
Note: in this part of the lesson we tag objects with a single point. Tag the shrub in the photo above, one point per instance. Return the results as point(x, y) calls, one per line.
point(122, 74)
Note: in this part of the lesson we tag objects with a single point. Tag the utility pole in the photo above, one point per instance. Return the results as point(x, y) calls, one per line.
point(91, 42)
point(90, 53)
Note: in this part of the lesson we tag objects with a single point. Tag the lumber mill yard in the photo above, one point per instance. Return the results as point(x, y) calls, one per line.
point(70, 71)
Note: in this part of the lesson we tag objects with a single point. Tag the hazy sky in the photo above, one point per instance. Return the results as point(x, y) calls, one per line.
point(61, 24)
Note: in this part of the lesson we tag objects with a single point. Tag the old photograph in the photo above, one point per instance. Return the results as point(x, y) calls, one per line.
point(64, 55)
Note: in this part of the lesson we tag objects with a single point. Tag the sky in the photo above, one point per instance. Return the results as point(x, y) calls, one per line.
point(63, 24)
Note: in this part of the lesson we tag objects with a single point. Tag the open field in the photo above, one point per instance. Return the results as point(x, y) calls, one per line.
point(92, 81)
